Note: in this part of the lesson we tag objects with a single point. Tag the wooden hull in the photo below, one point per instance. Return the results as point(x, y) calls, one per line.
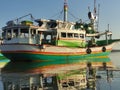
point(30, 52)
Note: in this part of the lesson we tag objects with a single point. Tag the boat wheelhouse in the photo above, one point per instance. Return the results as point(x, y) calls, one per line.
point(52, 32)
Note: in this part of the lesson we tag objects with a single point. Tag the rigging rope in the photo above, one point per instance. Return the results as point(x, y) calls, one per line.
point(60, 14)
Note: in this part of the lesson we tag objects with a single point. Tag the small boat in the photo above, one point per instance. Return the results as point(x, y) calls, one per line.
point(54, 40)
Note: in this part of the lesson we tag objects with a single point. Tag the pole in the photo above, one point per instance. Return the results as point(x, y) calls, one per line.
point(65, 10)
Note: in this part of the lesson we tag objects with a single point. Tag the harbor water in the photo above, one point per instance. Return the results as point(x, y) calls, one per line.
point(26, 73)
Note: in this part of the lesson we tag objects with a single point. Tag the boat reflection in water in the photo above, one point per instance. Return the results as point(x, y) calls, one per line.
point(72, 75)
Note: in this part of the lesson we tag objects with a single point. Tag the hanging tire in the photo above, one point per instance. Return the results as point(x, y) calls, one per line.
point(103, 49)
point(88, 51)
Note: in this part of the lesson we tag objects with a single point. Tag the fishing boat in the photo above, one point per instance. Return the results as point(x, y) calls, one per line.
point(54, 40)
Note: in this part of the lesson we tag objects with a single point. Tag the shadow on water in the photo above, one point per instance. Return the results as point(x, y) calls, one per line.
point(50, 75)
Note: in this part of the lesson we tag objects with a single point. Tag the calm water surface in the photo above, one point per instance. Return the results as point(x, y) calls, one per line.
point(101, 84)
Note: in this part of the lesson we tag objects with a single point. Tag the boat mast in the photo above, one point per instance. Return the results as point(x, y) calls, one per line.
point(65, 10)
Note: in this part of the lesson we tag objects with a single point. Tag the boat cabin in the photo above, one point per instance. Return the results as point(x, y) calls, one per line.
point(53, 32)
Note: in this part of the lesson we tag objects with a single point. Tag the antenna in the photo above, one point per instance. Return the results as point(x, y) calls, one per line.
point(94, 6)
point(98, 17)
point(95, 11)
point(65, 10)
point(108, 27)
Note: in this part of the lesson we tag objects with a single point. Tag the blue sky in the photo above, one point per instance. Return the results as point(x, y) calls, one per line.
point(109, 11)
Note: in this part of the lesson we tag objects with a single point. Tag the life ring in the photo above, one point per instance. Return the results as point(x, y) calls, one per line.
point(104, 49)
point(88, 51)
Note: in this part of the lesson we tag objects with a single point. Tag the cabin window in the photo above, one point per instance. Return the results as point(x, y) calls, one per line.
point(48, 39)
point(15, 33)
point(63, 34)
point(76, 35)
point(81, 35)
point(70, 35)
point(7, 34)
point(24, 33)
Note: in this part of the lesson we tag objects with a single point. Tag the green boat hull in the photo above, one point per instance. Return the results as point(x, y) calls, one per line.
point(56, 58)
